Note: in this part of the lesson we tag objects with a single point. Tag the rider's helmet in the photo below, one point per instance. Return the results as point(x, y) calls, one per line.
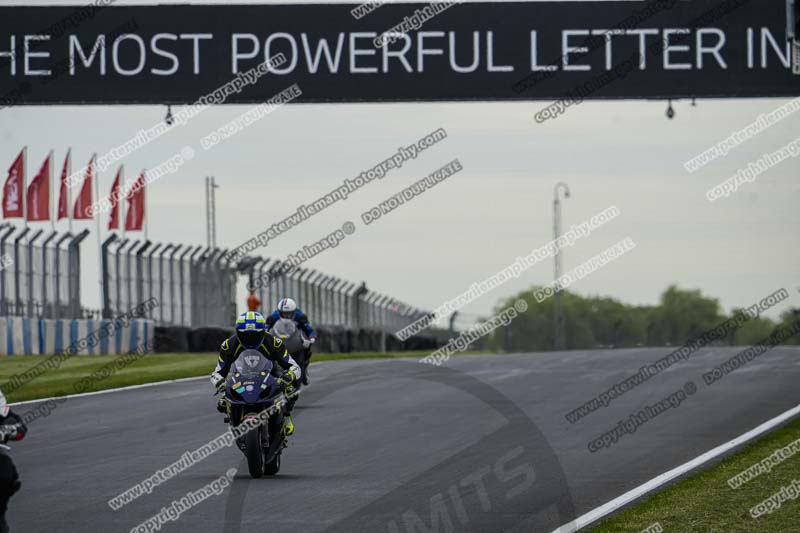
point(287, 307)
point(250, 328)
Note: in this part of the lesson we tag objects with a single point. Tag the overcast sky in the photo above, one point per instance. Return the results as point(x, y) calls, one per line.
point(624, 154)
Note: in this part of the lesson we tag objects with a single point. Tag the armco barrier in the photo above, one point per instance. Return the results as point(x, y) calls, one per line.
point(35, 336)
point(329, 340)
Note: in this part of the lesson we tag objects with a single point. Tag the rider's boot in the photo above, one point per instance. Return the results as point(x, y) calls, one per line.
point(288, 424)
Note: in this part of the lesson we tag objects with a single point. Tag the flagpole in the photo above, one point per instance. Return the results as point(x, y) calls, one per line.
point(53, 190)
point(144, 204)
point(96, 215)
point(69, 188)
point(24, 195)
point(122, 199)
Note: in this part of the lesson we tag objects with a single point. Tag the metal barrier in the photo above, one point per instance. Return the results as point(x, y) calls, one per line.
point(329, 301)
point(40, 273)
point(196, 286)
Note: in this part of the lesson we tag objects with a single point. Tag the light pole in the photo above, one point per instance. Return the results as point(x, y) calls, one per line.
point(211, 213)
point(559, 322)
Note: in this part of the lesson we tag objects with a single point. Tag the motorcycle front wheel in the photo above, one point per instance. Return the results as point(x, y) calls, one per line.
point(254, 453)
point(272, 467)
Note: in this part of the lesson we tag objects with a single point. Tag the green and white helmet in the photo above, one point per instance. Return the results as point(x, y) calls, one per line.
point(250, 329)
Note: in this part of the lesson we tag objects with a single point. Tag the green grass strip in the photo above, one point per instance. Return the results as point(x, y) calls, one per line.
point(705, 503)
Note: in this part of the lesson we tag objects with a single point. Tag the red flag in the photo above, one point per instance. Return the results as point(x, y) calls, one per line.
point(39, 193)
point(83, 205)
point(14, 187)
point(135, 216)
point(116, 196)
point(63, 195)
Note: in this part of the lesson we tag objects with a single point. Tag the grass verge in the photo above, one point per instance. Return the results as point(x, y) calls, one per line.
point(706, 503)
point(147, 369)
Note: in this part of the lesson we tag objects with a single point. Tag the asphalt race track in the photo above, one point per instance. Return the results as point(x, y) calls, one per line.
point(479, 444)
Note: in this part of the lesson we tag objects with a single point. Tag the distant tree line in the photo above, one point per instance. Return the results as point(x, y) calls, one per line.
point(601, 322)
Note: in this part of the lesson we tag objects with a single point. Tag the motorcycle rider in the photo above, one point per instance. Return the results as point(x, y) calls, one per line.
point(251, 334)
point(287, 308)
point(11, 428)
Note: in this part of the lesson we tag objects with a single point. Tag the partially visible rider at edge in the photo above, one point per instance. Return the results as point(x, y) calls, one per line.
point(287, 308)
point(11, 428)
point(251, 334)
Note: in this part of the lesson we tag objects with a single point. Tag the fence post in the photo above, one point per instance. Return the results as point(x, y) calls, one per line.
point(120, 277)
point(375, 318)
point(358, 296)
point(212, 290)
point(252, 268)
point(131, 282)
point(347, 311)
point(17, 292)
point(195, 284)
point(305, 278)
point(327, 297)
point(301, 288)
point(161, 281)
point(74, 281)
point(182, 283)
point(3, 299)
point(281, 281)
point(47, 309)
point(383, 309)
point(263, 288)
point(58, 267)
point(274, 281)
point(295, 276)
point(227, 289)
point(319, 284)
point(339, 299)
point(106, 312)
point(150, 276)
point(331, 297)
point(314, 281)
point(139, 275)
point(30, 310)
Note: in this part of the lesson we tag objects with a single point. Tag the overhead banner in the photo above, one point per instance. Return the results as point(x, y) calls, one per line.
point(98, 54)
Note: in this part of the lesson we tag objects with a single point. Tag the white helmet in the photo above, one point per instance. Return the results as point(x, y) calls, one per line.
point(287, 307)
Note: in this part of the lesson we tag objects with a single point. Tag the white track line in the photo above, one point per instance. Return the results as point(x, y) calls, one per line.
point(666, 477)
point(106, 391)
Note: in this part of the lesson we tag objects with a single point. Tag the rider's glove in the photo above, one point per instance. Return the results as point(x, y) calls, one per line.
point(217, 380)
point(286, 379)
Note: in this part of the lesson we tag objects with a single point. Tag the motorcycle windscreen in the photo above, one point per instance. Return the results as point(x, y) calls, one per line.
point(284, 328)
point(252, 362)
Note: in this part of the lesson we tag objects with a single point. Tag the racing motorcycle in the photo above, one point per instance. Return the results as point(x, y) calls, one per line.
point(252, 389)
point(8, 432)
point(295, 341)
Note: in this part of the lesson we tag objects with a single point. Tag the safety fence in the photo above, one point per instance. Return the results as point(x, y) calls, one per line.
point(196, 291)
point(41, 273)
point(196, 285)
point(329, 301)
